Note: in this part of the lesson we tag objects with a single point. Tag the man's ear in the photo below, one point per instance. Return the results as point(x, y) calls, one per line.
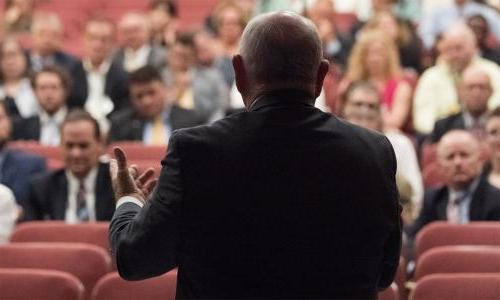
point(240, 74)
point(323, 68)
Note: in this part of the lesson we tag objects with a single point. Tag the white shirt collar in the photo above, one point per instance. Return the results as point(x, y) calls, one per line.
point(58, 117)
point(102, 69)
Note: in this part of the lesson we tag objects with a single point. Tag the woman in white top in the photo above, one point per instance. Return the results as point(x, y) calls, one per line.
point(15, 87)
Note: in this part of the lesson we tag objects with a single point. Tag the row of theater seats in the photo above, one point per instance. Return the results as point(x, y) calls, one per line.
point(447, 257)
point(137, 153)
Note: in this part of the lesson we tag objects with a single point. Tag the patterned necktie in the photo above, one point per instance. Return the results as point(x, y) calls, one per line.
point(82, 212)
point(453, 211)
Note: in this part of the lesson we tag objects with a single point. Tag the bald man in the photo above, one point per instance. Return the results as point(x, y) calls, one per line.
point(436, 94)
point(466, 195)
point(279, 201)
point(474, 91)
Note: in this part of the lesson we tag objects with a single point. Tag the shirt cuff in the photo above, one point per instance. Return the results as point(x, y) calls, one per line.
point(128, 199)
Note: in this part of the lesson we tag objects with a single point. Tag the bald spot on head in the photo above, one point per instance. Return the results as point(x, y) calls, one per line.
point(455, 137)
point(281, 48)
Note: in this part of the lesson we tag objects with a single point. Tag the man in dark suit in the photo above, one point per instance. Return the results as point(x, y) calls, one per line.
point(51, 86)
point(466, 196)
point(47, 33)
point(16, 167)
point(474, 92)
point(137, 49)
point(152, 118)
point(280, 201)
point(99, 85)
point(82, 190)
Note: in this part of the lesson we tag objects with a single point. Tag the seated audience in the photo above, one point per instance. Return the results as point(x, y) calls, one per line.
point(15, 87)
point(474, 92)
point(492, 170)
point(51, 85)
point(47, 35)
point(487, 47)
point(16, 167)
point(374, 58)
point(230, 20)
point(99, 85)
point(441, 19)
point(406, 40)
point(136, 48)
point(9, 213)
point(435, 94)
point(200, 89)
point(152, 118)
point(362, 108)
point(163, 16)
point(466, 196)
point(82, 190)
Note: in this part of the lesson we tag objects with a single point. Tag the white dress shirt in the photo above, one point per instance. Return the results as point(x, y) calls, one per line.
point(98, 104)
point(133, 60)
point(73, 185)
point(50, 127)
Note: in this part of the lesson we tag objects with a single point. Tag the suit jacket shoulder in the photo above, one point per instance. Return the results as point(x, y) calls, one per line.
point(442, 126)
point(26, 128)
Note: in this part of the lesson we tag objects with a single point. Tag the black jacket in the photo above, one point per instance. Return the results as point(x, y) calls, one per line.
point(48, 196)
point(442, 126)
point(284, 201)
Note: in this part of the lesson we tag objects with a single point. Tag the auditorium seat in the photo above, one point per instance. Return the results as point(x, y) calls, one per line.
point(112, 287)
point(458, 287)
point(95, 233)
point(23, 284)
point(87, 262)
point(390, 293)
point(52, 154)
point(459, 259)
point(442, 233)
point(139, 151)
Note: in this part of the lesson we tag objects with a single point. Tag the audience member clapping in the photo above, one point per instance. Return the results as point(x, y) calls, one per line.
point(15, 87)
point(99, 84)
point(436, 94)
point(375, 58)
point(199, 89)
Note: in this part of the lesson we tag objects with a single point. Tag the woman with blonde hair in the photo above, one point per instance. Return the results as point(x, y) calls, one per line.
point(375, 58)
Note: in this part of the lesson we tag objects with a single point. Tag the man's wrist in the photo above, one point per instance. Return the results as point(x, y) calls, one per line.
point(136, 199)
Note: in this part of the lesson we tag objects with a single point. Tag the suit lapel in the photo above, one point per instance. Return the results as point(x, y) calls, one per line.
point(476, 205)
point(441, 205)
point(60, 200)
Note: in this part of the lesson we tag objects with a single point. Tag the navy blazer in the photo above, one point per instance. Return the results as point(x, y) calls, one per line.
point(48, 196)
point(283, 201)
point(18, 169)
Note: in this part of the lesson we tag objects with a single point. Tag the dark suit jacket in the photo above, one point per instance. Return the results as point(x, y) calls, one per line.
point(284, 201)
point(484, 206)
point(48, 196)
point(115, 86)
point(128, 126)
point(441, 127)
point(26, 128)
point(63, 60)
point(18, 168)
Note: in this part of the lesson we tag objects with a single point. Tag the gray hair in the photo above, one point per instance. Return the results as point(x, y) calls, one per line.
point(281, 49)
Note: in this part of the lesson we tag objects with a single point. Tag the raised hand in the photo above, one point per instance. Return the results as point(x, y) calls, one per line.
point(127, 181)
